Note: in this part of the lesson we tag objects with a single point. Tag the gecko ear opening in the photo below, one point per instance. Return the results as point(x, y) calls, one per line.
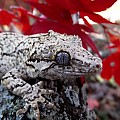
point(63, 58)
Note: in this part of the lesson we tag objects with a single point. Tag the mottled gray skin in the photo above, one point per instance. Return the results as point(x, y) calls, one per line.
point(25, 57)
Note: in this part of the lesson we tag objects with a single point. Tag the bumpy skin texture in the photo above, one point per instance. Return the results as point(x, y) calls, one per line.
point(48, 55)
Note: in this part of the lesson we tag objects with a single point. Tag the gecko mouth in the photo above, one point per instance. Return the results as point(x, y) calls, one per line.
point(68, 70)
point(74, 71)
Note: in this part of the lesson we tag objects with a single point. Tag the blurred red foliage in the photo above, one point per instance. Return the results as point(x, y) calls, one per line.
point(6, 17)
point(111, 67)
point(111, 64)
point(58, 16)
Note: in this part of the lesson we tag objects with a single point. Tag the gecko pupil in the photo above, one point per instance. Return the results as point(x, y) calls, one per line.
point(63, 58)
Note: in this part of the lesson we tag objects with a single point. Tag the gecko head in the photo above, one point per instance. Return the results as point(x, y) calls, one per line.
point(62, 56)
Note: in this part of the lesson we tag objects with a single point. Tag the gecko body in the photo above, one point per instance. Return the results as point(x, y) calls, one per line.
point(47, 55)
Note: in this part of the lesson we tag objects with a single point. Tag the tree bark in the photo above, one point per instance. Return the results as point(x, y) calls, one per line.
point(69, 98)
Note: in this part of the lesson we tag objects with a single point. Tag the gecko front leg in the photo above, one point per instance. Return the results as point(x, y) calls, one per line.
point(32, 94)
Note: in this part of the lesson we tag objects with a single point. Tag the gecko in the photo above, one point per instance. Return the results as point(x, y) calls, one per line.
point(48, 55)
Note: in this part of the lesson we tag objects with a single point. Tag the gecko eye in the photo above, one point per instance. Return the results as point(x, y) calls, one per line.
point(62, 58)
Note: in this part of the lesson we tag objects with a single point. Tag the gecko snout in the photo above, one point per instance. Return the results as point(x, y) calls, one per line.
point(98, 67)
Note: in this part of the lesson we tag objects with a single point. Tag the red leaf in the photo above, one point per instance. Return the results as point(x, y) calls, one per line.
point(32, 8)
point(75, 6)
point(32, 1)
point(87, 40)
point(23, 20)
point(82, 27)
point(107, 69)
point(6, 17)
point(58, 3)
point(97, 5)
point(17, 10)
point(111, 67)
point(117, 72)
point(115, 39)
point(45, 25)
point(53, 12)
point(71, 5)
point(95, 17)
point(86, 22)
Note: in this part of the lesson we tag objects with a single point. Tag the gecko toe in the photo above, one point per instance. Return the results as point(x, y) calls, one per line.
point(46, 91)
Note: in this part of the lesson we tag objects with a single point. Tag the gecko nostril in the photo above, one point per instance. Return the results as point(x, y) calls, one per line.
point(98, 66)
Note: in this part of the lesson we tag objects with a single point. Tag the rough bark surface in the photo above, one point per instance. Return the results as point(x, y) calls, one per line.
point(69, 98)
